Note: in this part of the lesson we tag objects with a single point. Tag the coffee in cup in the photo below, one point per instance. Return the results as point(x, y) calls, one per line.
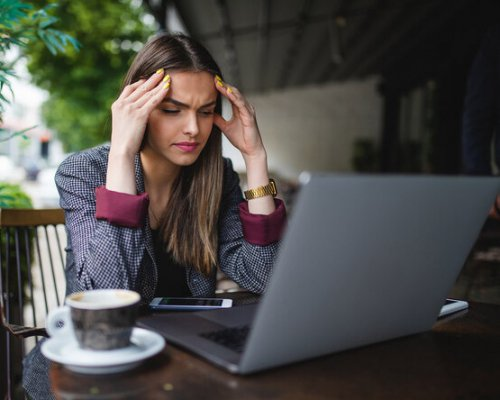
point(100, 319)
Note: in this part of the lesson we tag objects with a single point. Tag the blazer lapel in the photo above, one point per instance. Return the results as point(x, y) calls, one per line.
point(148, 236)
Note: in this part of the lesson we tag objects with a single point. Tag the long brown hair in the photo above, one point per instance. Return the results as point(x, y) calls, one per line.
point(188, 224)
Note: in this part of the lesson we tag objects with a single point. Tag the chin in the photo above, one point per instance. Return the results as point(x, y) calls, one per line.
point(185, 161)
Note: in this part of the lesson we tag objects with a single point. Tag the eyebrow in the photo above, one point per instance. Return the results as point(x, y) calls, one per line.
point(183, 105)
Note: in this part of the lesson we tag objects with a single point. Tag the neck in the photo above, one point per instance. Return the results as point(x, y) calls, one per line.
point(159, 176)
point(158, 172)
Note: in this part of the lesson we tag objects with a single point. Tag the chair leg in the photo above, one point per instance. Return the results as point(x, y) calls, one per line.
point(3, 364)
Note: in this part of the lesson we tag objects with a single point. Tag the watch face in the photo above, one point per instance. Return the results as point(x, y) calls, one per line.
point(272, 184)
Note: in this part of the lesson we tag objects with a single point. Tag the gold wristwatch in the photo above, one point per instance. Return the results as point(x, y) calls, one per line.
point(261, 191)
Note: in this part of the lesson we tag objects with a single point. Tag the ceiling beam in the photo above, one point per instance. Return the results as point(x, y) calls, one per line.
point(294, 47)
point(384, 19)
point(409, 35)
point(229, 44)
point(252, 30)
point(335, 35)
point(263, 42)
point(325, 42)
point(376, 21)
point(348, 17)
point(417, 50)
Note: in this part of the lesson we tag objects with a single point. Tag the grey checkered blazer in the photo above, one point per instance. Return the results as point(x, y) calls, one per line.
point(102, 255)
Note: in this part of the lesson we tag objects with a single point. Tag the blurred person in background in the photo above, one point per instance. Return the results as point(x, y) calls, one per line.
point(481, 116)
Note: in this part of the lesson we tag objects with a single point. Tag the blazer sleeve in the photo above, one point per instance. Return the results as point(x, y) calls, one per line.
point(105, 255)
point(246, 263)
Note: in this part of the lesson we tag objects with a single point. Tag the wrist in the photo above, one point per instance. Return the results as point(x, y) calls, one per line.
point(120, 174)
point(121, 154)
point(257, 171)
point(256, 159)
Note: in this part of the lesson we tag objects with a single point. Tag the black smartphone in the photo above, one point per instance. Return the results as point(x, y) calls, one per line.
point(189, 303)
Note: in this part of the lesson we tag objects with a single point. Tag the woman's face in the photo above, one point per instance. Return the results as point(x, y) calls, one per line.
point(180, 126)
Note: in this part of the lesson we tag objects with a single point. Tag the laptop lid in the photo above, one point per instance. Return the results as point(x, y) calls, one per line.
point(365, 259)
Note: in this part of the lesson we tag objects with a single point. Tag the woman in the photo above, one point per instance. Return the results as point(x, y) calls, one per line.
point(159, 209)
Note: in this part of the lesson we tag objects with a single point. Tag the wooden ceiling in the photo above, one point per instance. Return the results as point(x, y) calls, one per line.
point(266, 45)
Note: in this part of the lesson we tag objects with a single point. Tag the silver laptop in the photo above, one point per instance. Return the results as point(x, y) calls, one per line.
point(364, 259)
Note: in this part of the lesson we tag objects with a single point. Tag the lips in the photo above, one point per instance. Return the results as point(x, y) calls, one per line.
point(186, 147)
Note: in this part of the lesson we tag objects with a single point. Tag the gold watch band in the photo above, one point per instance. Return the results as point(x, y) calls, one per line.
point(267, 190)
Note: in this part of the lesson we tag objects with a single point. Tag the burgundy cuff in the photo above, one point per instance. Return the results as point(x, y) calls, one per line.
point(121, 208)
point(261, 229)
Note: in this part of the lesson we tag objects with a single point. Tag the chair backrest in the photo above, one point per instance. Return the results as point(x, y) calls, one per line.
point(32, 281)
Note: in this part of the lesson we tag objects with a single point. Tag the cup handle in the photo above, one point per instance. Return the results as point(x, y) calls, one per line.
point(58, 322)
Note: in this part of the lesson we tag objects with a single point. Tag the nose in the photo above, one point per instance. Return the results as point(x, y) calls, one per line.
point(191, 127)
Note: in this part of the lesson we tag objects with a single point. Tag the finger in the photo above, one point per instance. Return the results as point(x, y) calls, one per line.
point(238, 99)
point(147, 86)
point(130, 88)
point(243, 111)
point(220, 122)
point(157, 95)
point(163, 84)
point(222, 88)
point(235, 98)
point(219, 83)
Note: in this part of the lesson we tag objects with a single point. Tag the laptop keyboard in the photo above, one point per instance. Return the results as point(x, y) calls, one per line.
point(233, 338)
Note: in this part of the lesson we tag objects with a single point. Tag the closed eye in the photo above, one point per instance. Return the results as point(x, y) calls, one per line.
point(167, 111)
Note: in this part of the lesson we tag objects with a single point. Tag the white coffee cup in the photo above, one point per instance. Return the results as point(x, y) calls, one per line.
point(100, 319)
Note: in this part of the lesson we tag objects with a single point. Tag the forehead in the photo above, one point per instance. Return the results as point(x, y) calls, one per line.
point(192, 88)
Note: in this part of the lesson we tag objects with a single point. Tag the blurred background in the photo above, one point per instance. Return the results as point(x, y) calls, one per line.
point(339, 85)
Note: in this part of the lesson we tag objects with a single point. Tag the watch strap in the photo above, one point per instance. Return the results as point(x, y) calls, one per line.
point(261, 191)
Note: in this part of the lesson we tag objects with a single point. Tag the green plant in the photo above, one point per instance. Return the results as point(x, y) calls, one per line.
point(21, 24)
point(12, 196)
point(83, 85)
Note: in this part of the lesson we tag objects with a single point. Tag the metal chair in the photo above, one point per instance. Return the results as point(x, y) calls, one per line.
point(32, 282)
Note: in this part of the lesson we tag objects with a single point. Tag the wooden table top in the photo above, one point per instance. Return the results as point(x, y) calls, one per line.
point(458, 359)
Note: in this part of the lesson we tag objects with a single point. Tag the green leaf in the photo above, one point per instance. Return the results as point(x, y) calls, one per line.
point(47, 22)
point(6, 134)
point(20, 25)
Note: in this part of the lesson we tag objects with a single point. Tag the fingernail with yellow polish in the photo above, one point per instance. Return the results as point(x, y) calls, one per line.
point(218, 78)
point(159, 71)
point(219, 83)
point(166, 85)
point(229, 90)
point(167, 77)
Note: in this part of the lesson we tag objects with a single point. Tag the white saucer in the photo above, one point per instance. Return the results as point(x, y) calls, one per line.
point(144, 344)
